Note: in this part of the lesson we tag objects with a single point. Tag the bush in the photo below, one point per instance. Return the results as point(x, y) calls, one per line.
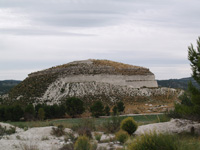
point(85, 131)
point(122, 136)
point(97, 136)
point(82, 143)
point(129, 125)
point(112, 125)
point(85, 127)
point(154, 141)
point(97, 109)
point(59, 131)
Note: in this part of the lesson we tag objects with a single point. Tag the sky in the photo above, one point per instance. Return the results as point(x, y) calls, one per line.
point(39, 34)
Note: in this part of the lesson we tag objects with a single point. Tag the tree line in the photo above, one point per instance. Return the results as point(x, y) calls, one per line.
point(73, 107)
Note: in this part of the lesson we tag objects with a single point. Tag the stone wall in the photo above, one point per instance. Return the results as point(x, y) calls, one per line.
point(135, 81)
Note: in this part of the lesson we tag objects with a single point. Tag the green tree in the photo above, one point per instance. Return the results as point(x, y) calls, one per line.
point(17, 113)
point(107, 110)
point(97, 109)
point(74, 106)
point(120, 106)
point(41, 114)
point(115, 110)
point(29, 112)
point(194, 58)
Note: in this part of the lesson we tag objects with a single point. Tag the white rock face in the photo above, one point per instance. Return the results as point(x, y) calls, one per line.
point(65, 87)
point(173, 126)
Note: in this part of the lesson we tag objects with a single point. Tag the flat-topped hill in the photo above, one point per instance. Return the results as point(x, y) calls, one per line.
point(90, 80)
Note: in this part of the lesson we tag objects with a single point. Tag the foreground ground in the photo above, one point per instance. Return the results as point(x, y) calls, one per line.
point(40, 138)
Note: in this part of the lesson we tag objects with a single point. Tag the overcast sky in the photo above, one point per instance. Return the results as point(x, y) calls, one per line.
point(39, 34)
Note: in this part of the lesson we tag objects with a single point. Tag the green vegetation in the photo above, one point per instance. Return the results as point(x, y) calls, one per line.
point(121, 136)
point(154, 141)
point(74, 106)
point(107, 110)
point(82, 143)
point(97, 122)
point(190, 102)
point(120, 107)
point(97, 109)
point(31, 87)
point(129, 125)
point(59, 131)
point(29, 113)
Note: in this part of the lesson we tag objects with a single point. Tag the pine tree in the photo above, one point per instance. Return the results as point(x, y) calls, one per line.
point(194, 58)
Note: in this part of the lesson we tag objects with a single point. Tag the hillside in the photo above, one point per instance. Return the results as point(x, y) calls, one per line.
point(6, 85)
point(177, 83)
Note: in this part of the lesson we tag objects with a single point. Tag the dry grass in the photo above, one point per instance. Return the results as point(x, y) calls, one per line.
point(114, 64)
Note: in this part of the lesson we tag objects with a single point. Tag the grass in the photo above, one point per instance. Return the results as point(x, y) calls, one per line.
point(141, 120)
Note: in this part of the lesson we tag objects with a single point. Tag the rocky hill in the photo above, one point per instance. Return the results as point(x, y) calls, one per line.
point(92, 80)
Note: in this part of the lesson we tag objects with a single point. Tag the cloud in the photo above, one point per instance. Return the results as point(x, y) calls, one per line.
point(39, 34)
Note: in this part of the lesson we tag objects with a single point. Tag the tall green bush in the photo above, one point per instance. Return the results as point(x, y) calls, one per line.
point(129, 125)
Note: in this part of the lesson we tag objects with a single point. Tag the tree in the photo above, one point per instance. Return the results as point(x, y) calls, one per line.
point(17, 113)
point(115, 110)
point(29, 112)
point(97, 109)
point(41, 114)
point(194, 58)
point(74, 106)
point(120, 106)
point(107, 110)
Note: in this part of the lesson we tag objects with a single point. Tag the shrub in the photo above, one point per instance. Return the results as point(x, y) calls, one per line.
point(97, 109)
point(97, 136)
point(154, 141)
point(59, 131)
point(85, 131)
point(122, 136)
point(82, 143)
point(129, 125)
point(112, 125)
